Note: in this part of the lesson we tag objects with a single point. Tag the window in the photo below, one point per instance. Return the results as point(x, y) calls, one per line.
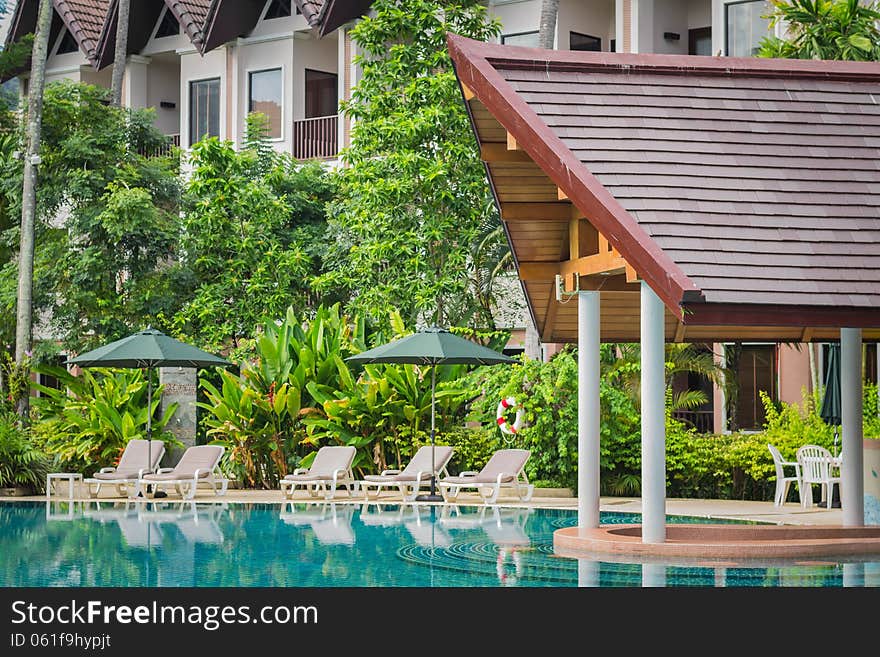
point(746, 27)
point(700, 41)
point(578, 41)
point(278, 9)
point(529, 39)
point(168, 25)
point(755, 368)
point(67, 44)
point(264, 96)
point(204, 109)
point(321, 94)
point(47, 379)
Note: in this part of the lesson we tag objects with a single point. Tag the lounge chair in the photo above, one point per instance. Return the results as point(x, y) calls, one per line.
point(199, 464)
point(330, 469)
point(414, 476)
point(133, 464)
point(504, 470)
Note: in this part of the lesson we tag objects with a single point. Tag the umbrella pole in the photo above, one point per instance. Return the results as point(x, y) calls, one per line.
point(433, 497)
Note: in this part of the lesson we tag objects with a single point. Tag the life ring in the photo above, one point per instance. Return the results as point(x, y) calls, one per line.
point(503, 405)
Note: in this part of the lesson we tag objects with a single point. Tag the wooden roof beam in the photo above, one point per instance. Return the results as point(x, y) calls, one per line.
point(599, 263)
point(511, 143)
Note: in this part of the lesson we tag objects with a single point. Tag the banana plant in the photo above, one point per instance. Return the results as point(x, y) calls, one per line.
point(87, 422)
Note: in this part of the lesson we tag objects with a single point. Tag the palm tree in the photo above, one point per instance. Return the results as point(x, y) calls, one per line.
point(24, 310)
point(547, 24)
point(679, 358)
point(122, 13)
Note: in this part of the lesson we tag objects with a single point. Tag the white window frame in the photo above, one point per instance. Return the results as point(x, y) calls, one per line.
point(189, 82)
point(247, 99)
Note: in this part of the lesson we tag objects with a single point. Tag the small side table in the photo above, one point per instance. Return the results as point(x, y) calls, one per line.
point(72, 478)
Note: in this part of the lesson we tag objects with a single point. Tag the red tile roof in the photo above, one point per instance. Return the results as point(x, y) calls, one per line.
point(191, 15)
point(84, 19)
point(743, 181)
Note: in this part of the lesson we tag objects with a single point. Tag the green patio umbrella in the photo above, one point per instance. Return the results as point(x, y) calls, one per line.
point(831, 406)
point(145, 350)
point(431, 346)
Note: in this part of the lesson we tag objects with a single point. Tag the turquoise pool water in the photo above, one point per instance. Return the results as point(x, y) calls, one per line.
point(170, 544)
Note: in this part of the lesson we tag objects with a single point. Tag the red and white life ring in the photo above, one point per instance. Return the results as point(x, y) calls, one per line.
point(503, 405)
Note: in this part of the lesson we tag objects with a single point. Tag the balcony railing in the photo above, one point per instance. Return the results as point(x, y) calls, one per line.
point(702, 421)
point(165, 150)
point(316, 138)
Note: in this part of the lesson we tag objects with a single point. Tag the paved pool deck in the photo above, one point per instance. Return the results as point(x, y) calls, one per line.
point(790, 514)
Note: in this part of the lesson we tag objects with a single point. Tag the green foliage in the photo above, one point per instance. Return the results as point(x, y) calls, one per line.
point(21, 463)
point(413, 201)
point(253, 238)
point(258, 414)
point(871, 408)
point(548, 393)
point(385, 410)
point(15, 380)
point(825, 29)
point(788, 426)
point(99, 277)
point(88, 421)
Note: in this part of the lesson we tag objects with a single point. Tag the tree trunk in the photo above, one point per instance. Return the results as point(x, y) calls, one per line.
point(24, 308)
point(547, 24)
point(121, 53)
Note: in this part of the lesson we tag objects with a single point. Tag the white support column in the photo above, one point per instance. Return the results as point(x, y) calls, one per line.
point(653, 418)
point(852, 486)
point(588, 410)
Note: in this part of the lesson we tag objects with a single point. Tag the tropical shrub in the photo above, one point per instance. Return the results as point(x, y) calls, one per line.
point(258, 413)
point(87, 422)
point(385, 409)
point(21, 462)
point(548, 393)
point(824, 29)
point(871, 411)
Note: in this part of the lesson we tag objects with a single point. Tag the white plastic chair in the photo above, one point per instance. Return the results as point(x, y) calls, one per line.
point(783, 481)
point(815, 462)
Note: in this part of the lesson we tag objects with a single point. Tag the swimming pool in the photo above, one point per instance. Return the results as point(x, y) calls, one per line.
point(172, 544)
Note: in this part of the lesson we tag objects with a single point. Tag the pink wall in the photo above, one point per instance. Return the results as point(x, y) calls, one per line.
point(794, 372)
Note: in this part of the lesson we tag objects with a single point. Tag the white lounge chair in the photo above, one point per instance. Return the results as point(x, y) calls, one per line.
point(138, 458)
point(330, 469)
point(199, 464)
point(505, 470)
point(414, 476)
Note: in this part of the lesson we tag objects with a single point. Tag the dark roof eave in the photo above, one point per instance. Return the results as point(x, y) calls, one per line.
point(729, 314)
point(337, 13)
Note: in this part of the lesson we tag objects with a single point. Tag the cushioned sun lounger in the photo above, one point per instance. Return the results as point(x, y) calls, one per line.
point(138, 458)
point(199, 464)
point(505, 470)
point(416, 474)
point(330, 469)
